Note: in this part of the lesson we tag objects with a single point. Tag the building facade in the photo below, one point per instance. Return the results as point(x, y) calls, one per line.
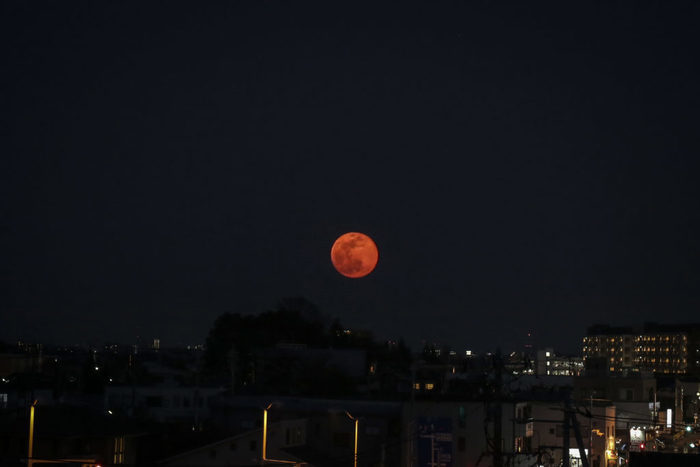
point(551, 364)
point(542, 433)
point(660, 349)
point(245, 449)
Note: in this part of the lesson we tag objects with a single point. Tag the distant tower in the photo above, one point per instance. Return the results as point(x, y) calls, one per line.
point(529, 351)
point(529, 343)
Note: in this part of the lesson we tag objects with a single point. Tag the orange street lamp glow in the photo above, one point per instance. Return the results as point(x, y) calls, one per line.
point(264, 446)
point(30, 450)
point(264, 443)
point(357, 422)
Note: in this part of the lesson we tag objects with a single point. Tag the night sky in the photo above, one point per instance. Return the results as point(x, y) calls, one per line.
point(520, 166)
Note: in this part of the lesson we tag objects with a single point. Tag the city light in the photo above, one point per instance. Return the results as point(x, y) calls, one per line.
point(264, 442)
point(357, 421)
point(30, 457)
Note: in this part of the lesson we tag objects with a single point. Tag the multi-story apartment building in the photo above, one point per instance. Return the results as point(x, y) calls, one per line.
point(661, 349)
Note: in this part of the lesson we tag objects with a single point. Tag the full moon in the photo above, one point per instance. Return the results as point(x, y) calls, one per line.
point(354, 255)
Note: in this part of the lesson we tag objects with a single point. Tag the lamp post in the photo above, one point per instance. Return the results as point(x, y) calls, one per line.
point(590, 429)
point(264, 442)
point(30, 449)
point(357, 422)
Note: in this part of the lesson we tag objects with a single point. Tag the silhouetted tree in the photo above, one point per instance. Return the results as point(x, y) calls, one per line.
point(238, 342)
point(294, 320)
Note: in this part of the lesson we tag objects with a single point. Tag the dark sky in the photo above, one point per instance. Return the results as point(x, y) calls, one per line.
point(520, 166)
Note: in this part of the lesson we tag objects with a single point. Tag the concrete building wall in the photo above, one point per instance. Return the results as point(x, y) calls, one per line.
point(246, 448)
point(470, 422)
point(161, 403)
point(636, 388)
point(543, 434)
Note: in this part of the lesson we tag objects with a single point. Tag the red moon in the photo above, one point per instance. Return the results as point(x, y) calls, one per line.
point(354, 255)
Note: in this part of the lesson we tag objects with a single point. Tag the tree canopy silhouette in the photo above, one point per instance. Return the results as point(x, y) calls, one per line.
point(240, 344)
point(294, 321)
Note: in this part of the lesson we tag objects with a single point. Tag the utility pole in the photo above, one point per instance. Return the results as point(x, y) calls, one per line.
point(579, 439)
point(590, 428)
point(412, 433)
point(498, 413)
point(565, 426)
point(512, 437)
point(571, 422)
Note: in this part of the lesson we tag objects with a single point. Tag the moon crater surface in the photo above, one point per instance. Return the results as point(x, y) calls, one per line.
point(354, 255)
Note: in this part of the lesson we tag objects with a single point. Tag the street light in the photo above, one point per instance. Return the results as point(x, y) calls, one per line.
point(357, 421)
point(30, 449)
point(264, 446)
point(264, 442)
point(30, 462)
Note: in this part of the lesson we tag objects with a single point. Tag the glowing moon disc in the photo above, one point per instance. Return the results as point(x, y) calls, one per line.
point(354, 254)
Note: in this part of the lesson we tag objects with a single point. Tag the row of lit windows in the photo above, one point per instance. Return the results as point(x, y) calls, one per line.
point(563, 373)
point(426, 386)
point(654, 369)
point(651, 360)
point(642, 350)
point(565, 363)
point(629, 349)
point(662, 360)
point(647, 338)
point(663, 338)
point(663, 349)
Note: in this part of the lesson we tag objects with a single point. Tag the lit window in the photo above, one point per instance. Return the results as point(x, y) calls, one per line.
point(118, 457)
point(416, 386)
point(429, 386)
